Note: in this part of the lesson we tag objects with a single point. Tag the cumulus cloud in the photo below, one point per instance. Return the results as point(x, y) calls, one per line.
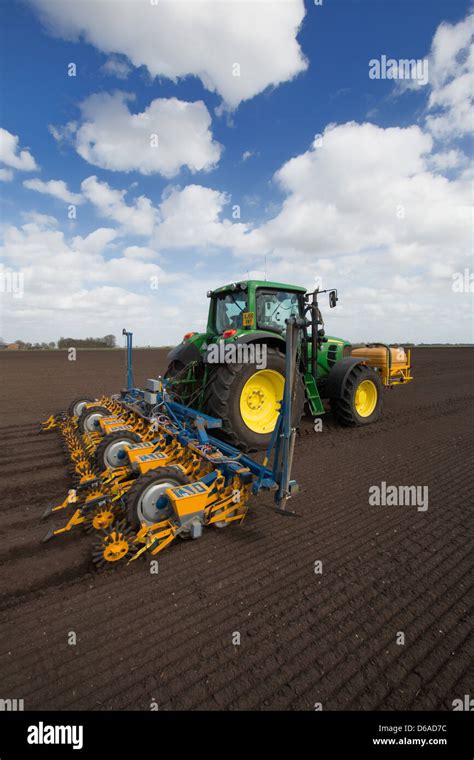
point(13, 157)
point(451, 79)
point(57, 188)
point(168, 135)
point(138, 218)
point(237, 48)
point(367, 189)
point(369, 211)
point(193, 217)
point(116, 67)
point(450, 109)
point(73, 285)
point(68, 277)
point(140, 252)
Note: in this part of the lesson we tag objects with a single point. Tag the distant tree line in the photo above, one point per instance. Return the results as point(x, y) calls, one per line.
point(108, 341)
point(45, 346)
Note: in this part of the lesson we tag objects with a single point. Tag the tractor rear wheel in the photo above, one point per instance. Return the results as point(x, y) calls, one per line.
point(88, 421)
point(361, 401)
point(112, 450)
point(147, 502)
point(247, 400)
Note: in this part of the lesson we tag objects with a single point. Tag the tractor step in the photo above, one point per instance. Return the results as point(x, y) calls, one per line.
point(314, 400)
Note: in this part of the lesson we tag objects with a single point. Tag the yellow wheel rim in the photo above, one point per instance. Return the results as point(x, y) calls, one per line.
point(260, 400)
point(103, 519)
point(366, 398)
point(116, 549)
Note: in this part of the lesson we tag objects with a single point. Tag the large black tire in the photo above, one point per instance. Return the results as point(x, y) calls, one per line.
point(137, 513)
point(223, 400)
point(108, 454)
point(75, 407)
point(84, 421)
point(344, 408)
point(174, 368)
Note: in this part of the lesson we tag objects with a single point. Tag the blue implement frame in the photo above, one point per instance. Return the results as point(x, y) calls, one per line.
point(190, 426)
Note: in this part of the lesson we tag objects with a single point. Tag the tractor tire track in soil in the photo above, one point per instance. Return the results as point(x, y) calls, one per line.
point(305, 637)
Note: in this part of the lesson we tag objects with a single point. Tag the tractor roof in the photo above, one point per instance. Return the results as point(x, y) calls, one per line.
point(261, 284)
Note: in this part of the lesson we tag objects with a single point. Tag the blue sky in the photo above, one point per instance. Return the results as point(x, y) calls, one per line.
point(388, 144)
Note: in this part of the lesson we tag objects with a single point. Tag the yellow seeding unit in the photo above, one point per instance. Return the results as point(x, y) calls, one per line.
point(146, 470)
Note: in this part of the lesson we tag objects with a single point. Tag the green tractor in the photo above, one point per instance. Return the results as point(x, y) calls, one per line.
point(236, 369)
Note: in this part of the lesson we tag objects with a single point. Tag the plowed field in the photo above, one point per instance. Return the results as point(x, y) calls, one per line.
point(305, 638)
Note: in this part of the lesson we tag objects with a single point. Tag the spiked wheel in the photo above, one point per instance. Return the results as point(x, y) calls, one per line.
point(101, 518)
point(114, 545)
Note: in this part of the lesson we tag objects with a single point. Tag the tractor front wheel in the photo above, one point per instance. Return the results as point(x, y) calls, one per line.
point(361, 400)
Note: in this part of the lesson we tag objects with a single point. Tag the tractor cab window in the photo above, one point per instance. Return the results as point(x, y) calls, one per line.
point(274, 308)
point(230, 308)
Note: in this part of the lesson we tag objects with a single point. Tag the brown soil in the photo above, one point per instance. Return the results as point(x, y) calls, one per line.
point(305, 637)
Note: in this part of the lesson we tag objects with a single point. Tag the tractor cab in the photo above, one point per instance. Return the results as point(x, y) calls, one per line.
point(253, 305)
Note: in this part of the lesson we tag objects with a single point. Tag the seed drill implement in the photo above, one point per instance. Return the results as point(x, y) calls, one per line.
point(147, 469)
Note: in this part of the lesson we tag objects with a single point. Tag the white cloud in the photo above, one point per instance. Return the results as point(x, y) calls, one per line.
point(168, 135)
point(450, 109)
point(116, 67)
point(451, 79)
point(450, 159)
point(96, 242)
point(85, 286)
point(367, 189)
point(140, 252)
point(66, 278)
point(138, 218)
point(365, 212)
point(12, 157)
point(197, 37)
point(41, 220)
point(192, 217)
point(57, 188)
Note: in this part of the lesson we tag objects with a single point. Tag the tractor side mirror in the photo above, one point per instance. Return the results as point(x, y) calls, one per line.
point(333, 298)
